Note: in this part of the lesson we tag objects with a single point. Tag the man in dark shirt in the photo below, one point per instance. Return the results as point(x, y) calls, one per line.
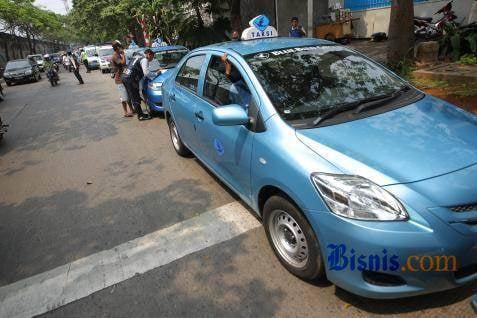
point(119, 63)
point(132, 77)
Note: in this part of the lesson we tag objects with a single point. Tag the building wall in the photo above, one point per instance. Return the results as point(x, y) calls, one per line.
point(284, 11)
point(14, 47)
point(377, 20)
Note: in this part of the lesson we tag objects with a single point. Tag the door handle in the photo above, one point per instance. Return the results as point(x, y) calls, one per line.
point(199, 115)
point(172, 97)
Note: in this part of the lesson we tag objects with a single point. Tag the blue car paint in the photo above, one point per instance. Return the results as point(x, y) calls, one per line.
point(154, 97)
point(423, 153)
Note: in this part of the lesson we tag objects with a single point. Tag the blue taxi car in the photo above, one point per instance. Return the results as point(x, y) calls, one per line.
point(356, 175)
point(166, 58)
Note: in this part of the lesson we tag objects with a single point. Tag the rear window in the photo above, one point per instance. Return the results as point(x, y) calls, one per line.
point(106, 51)
point(189, 74)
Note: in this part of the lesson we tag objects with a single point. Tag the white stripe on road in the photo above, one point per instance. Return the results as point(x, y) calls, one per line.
point(44, 292)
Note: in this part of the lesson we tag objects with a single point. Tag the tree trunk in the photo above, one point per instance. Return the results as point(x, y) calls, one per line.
point(30, 47)
point(235, 21)
point(401, 31)
point(200, 21)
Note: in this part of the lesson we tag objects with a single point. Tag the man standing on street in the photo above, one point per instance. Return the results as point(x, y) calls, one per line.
point(132, 78)
point(84, 59)
point(119, 63)
point(75, 65)
point(296, 30)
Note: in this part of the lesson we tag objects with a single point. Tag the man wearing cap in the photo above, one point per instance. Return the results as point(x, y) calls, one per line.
point(296, 30)
point(119, 63)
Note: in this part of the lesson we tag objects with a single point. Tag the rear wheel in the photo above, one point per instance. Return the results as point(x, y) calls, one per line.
point(177, 143)
point(292, 239)
point(8, 83)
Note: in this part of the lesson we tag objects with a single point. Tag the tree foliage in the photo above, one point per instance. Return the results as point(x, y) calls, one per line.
point(23, 18)
point(176, 20)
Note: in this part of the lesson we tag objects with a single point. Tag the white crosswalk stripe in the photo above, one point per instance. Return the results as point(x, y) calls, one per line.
point(46, 291)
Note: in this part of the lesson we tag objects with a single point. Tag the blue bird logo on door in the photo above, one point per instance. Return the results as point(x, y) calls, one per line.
point(219, 147)
point(261, 22)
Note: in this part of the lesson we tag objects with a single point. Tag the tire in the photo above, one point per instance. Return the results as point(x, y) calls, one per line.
point(39, 76)
point(8, 83)
point(293, 239)
point(177, 143)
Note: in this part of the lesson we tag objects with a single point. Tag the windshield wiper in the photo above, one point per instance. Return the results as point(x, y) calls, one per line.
point(379, 100)
point(340, 108)
point(360, 105)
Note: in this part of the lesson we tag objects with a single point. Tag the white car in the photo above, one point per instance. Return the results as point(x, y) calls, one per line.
point(105, 54)
point(93, 58)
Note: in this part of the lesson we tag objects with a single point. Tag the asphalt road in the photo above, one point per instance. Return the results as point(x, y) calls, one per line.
point(77, 178)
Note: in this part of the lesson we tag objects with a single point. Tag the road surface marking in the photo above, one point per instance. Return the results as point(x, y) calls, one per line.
point(60, 286)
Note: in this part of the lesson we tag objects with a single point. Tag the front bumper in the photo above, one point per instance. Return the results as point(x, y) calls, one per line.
point(105, 66)
point(154, 100)
point(406, 239)
point(20, 78)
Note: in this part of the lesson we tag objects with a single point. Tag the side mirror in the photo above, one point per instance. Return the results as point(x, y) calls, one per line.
point(230, 115)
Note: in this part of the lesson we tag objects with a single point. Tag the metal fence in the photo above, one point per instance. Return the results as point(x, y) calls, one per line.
point(359, 5)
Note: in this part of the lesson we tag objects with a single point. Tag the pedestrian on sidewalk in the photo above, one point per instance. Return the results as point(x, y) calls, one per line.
point(84, 59)
point(75, 65)
point(119, 63)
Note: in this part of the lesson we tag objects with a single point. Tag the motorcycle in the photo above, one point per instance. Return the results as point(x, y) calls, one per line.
point(53, 77)
point(425, 28)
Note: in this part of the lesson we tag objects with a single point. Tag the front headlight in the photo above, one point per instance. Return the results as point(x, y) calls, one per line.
point(358, 198)
point(155, 86)
point(28, 72)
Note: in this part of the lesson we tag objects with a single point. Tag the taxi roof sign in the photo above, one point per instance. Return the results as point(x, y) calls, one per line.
point(260, 28)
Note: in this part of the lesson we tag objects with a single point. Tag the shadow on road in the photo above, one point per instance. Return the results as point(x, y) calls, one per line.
point(45, 232)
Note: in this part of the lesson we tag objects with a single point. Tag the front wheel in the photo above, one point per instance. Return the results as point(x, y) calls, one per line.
point(292, 239)
point(177, 143)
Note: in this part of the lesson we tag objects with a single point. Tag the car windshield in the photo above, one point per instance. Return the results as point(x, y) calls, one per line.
point(17, 64)
point(105, 52)
point(305, 82)
point(167, 59)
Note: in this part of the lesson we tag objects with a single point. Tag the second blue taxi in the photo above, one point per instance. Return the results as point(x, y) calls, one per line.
point(357, 176)
point(165, 58)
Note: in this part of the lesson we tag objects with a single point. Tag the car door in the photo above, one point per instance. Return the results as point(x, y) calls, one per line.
point(183, 98)
point(226, 149)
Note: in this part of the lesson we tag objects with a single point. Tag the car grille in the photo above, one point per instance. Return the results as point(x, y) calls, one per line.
point(464, 208)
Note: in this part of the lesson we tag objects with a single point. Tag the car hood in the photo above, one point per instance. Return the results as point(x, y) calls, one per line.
point(419, 141)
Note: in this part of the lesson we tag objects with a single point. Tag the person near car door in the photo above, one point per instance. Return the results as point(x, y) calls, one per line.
point(137, 68)
point(119, 63)
point(75, 65)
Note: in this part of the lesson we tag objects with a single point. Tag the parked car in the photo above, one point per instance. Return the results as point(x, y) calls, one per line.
point(105, 54)
point(93, 58)
point(17, 71)
point(354, 172)
point(38, 58)
point(166, 58)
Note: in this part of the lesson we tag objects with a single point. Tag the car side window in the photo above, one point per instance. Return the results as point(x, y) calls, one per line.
point(224, 85)
point(188, 75)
